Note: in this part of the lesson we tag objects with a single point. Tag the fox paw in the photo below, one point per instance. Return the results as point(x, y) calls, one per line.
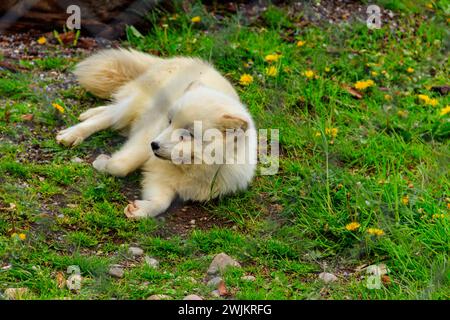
point(140, 209)
point(100, 162)
point(69, 137)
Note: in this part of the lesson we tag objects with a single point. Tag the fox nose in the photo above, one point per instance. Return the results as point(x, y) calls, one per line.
point(155, 145)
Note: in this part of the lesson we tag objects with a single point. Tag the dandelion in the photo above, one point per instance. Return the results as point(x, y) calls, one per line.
point(387, 97)
point(272, 57)
point(331, 132)
point(309, 74)
point(58, 107)
point(327, 69)
point(433, 102)
point(271, 71)
point(196, 19)
point(375, 231)
point(445, 110)
point(246, 79)
point(352, 226)
point(423, 97)
point(42, 40)
point(22, 236)
point(300, 43)
point(410, 70)
point(362, 85)
point(405, 200)
point(374, 73)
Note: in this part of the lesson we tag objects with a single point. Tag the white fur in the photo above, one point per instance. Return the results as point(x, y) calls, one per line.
point(146, 92)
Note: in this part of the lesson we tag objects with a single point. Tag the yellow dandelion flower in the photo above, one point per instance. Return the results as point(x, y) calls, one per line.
point(300, 43)
point(58, 107)
point(410, 70)
point(331, 132)
point(352, 226)
point(327, 69)
point(309, 74)
point(405, 200)
point(448, 205)
point(22, 236)
point(246, 79)
point(388, 97)
point(272, 57)
point(375, 231)
point(362, 85)
point(432, 102)
point(374, 73)
point(42, 40)
point(271, 71)
point(445, 110)
point(196, 19)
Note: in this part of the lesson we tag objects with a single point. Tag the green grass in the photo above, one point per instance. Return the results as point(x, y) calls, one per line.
point(287, 227)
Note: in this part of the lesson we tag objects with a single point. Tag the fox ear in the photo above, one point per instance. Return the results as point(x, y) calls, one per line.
point(194, 84)
point(229, 121)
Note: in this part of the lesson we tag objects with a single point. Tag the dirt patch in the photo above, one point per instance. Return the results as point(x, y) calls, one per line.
point(182, 218)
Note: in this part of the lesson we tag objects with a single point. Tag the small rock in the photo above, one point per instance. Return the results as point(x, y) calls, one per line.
point(192, 297)
point(151, 262)
point(159, 297)
point(221, 262)
point(16, 293)
point(192, 221)
point(116, 271)
point(215, 293)
point(214, 282)
point(77, 160)
point(248, 278)
point(135, 251)
point(327, 277)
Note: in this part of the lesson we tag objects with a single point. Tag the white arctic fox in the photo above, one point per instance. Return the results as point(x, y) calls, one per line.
point(166, 107)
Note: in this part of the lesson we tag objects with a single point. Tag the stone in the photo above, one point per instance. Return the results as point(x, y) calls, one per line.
point(327, 277)
point(135, 251)
point(220, 263)
point(192, 297)
point(214, 282)
point(116, 271)
point(151, 262)
point(248, 278)
point(159, 297)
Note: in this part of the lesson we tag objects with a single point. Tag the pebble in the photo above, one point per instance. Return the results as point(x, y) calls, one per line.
point(327, 277)
point(248, 278)
point(151, 262)
point(116, 271)
point(192, 297)
point(214, 282)
point(135, 251)
point(220, 263)
point(215, 293)
point(77, 160)
point(159, 297)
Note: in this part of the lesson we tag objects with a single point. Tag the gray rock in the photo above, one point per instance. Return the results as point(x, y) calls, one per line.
point(135, 251)
point(16, 293)
point(192, 297)
point(159, 297)
point(77, 160)
point(248, 278)
point(327, 277)
point(214, 282)
point(220, 263)
point(215, 293)
point(151, 262)
point(116, 271)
